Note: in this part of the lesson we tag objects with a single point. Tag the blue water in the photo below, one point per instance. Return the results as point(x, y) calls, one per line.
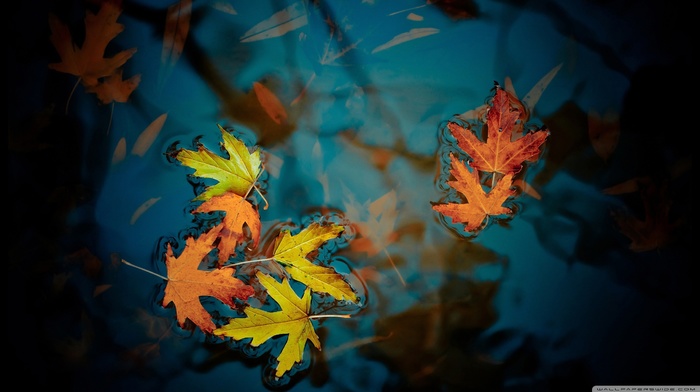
point(552, 299)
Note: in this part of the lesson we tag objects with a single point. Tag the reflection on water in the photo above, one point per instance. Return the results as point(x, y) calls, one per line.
point(588, 282)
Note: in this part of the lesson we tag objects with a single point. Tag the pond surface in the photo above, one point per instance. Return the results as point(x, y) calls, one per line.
point(587, 282)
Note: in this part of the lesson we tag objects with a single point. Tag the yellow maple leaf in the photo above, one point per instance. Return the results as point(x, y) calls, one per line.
point(291, 250)
point(293, 319)
point(236, 174)
point(88, 62)
point(479, 204)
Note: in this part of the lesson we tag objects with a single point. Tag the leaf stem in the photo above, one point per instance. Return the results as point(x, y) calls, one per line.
point(263, 197)
point(144, 270)
point(249, 261)
point(111, 115)
point(258, 190)
point(303, 91)
point(317, 316)
point(403, 282)
point(71, 94)
point(330, 353)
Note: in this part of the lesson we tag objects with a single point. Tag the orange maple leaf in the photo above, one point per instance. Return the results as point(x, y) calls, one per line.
point(239, 213)
point(499, 154)
point(88, 62)
point(114, 89)
point(187, 283)
point(479, 204)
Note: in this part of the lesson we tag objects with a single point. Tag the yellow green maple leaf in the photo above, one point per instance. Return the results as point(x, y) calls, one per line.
point(293, 319)
point(236, 174)
point(291, 251)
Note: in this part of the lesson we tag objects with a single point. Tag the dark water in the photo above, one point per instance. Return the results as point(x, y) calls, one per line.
point(556, 298)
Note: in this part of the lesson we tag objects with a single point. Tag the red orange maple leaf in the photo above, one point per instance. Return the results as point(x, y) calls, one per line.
point(187, 283)
point(239, 214)
point(479, 204)
point(499, 154)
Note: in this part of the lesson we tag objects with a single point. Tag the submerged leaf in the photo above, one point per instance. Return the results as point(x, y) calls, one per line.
point(656, 230)
point(280, 23)
point(119, 151)
point(378, 229)
point(604, 133)
point(177, 27)
point(533, 96)
point(270, 103)
point(143, 208)
point(405, 37)
point(114, 89)
point(149, 135)
point(88, 62)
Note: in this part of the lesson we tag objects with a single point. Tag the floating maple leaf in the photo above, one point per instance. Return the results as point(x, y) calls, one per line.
point(479, 204)
point(293, 319)
point(499, 154)
point(187, 283)
point(291, 251)
point(88, 62)
point(236, 174)
point(239, 214)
